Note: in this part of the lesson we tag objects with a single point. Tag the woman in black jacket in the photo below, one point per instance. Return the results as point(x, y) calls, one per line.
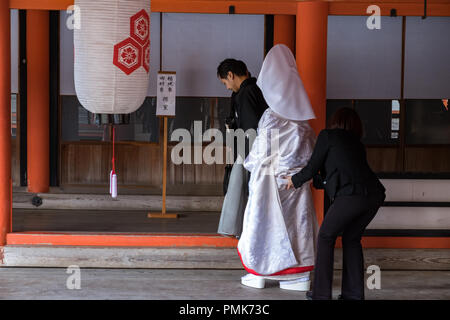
point(339, 162)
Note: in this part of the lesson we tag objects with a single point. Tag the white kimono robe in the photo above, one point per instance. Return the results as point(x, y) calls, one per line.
point(280, 226)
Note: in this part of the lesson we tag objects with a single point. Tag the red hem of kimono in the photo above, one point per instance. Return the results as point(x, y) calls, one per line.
point(282, 272)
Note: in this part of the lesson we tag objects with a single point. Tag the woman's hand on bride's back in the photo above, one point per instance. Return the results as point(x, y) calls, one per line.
point(289, 184)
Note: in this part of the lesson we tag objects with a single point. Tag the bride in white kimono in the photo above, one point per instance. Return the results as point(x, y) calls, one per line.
point(280, 227)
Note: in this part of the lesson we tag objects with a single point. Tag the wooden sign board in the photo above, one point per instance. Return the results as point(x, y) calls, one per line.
point(165, 107)
point(166, 94)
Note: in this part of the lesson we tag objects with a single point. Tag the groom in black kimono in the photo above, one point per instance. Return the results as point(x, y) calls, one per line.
point(247, 107)
point(247, 101)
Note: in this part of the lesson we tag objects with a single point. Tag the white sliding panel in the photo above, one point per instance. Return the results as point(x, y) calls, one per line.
point(195, 44)
point(427, 58)
point(363, 63)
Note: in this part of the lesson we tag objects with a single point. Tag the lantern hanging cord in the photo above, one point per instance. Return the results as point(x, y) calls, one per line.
point(113, 159)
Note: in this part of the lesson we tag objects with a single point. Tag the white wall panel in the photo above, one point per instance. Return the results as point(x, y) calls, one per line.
point(195, 44)
point(15, 51)
point(66, 85)
point(411, 218)
point(427, 58)
point(363, 63)
point(412, 190)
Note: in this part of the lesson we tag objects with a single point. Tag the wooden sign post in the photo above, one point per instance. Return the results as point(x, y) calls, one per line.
point(165, 107)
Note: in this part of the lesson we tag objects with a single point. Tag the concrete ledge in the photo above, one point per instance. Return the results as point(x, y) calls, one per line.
point(123, 202)
point(196, 258)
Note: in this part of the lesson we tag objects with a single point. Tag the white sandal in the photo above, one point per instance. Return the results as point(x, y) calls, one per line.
point(300, 284)
point(250, 280)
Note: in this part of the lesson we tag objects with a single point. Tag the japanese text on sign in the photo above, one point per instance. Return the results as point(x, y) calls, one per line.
point(166, 89)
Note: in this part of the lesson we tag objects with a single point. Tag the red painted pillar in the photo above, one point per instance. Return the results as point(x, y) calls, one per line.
point(284, 30)
point(5, 122)
point(311, 55)
point(38, 169)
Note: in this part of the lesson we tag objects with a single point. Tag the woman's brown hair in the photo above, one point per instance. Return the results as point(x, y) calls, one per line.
point(347, 119)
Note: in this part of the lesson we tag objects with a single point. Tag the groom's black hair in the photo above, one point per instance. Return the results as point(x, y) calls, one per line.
point(237, 67)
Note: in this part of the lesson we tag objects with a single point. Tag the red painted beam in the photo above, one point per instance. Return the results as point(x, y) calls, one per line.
point(402, 242)
point(38, 110)
point(351, 7)
point(311, 56)
point(181, 6)
point(5, 122)
point(402, 8)
point(284, 30)
point(120, 239)
point(193, 240)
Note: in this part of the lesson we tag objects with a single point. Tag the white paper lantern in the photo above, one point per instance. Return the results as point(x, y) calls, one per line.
point(112, 55)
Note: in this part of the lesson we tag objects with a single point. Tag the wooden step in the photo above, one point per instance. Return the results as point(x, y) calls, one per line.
point(195, 257)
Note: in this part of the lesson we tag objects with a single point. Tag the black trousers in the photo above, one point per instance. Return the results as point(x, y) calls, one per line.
point(349, 215)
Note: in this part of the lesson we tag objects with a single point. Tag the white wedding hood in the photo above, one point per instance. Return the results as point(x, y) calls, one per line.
point(282, 86)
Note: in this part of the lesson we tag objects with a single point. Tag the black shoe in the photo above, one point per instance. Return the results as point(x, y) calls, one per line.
point(309, 295)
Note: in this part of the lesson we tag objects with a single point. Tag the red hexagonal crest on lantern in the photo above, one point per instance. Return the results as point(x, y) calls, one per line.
point(134, 51)
point(127, 55)
point(146, 56)
point(140, 27)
